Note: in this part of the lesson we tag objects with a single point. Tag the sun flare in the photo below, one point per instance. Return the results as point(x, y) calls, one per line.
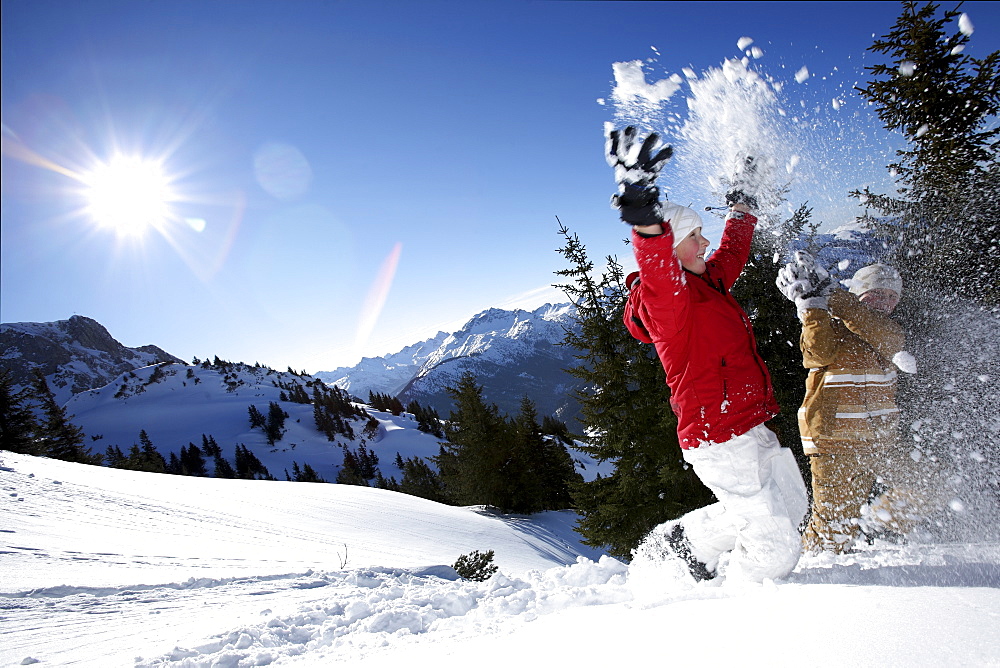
point(128, 195)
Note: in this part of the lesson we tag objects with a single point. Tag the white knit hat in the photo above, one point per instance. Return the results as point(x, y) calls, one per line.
point(682, 220)
point(873, 277)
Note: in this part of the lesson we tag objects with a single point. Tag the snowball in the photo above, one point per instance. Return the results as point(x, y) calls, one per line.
point(965, 24)
point(922, 130)
point(843, 264)
point(802, 74)
point(836, 103)
point(957, 50)
point(630, 84)
point(905, 362)
point(756, 52)
point(744, 42)
point(906, 68)
point(956, 505)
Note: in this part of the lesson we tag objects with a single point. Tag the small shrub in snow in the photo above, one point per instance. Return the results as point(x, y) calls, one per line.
point(476, 566)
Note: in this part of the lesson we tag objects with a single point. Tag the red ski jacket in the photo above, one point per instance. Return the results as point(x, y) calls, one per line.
point(719, 385)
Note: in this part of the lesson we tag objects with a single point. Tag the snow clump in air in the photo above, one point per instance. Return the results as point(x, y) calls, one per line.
point(965, 24)
point(636, 101)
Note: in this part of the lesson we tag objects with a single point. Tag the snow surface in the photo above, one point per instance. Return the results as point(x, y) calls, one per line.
point(119, 568)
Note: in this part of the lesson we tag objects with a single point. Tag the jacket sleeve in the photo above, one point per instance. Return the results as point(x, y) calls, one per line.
point(731, 256)
point(819, 342)
point(879, 331)
point(658, 306)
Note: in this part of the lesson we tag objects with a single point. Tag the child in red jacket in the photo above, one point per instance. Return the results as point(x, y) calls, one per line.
point(720, 387)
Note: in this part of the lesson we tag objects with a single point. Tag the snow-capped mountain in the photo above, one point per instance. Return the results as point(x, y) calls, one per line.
point(512, 354)
point(388, 374)
point(75, 355)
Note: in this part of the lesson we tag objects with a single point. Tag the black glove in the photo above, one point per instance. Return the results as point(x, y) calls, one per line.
point(638, 198)
point(742, 189)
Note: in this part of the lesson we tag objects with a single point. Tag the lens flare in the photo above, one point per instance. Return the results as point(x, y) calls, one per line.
point(377, 294)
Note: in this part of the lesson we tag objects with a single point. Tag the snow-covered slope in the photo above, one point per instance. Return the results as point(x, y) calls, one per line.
point(74, 355)
point(112, 568)
point(177, 404)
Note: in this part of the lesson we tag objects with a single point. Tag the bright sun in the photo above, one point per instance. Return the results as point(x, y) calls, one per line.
point(128, 195)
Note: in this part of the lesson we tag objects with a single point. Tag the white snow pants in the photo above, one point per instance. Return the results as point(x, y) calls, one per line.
point(761, 500)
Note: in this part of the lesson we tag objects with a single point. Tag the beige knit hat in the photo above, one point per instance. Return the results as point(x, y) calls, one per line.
point(682, 220)
point(873, 277)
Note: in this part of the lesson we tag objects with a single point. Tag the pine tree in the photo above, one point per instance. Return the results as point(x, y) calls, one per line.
point(360, 467)
point(115, 458)
point(274, 428)
point(17, 422)
point(257, 419)
point(223, 469)
point(470, 461)
point(305, 474)
point(942, 231)
point(192, 461)
point(248, 466)
point(419, 479)
point(209, 446)
point(58, 437)
point(625, 407)
point(776, 324)
point(174, 464)
point(428, 420)
point(150, 459)
point(944, 103)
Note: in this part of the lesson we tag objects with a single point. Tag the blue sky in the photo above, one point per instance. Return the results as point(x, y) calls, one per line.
point(349, 178)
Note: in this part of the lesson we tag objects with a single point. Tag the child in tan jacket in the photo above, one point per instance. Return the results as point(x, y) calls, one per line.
point(849, 420)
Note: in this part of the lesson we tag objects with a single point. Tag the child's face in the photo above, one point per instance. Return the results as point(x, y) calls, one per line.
point(691, 251)
point(880, 299)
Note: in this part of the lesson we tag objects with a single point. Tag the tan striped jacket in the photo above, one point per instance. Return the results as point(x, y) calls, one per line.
point(851, 387)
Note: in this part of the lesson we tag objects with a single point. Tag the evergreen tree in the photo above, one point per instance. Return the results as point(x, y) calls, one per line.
point(58, 437)
point(470, 461)
point(174, 464)
point(945, 104)
point(776, 324)
point(427, 418)
point(941, 230)
point(192, 461)
point(257, 419)
point(274, 429)
point(115, 458)
point(625, 407)
point(248, 467)
point(333, 411)
point(210, 447)
point(305, 474)
point(146, 457)
point(17, 422)
point(419, 479)
point(223, 469)
point(360, 467)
